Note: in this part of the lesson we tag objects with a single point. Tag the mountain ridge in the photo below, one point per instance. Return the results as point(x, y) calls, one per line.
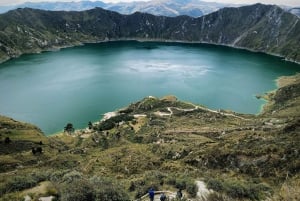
point(165, 8)
point(261, 28)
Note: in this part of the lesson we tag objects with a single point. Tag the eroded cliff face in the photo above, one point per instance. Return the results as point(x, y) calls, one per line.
point(263, 28)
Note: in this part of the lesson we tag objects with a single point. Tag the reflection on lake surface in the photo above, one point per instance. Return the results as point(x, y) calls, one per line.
point(79, 84)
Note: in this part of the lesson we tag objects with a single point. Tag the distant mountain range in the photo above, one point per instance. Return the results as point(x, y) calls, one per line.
point(171, 8)
point(262, 28)
point(295, 11)
point(194, 8)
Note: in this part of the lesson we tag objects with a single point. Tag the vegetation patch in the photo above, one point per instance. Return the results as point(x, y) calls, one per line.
point(113, 121)
point(240, 189)
point(242, 157)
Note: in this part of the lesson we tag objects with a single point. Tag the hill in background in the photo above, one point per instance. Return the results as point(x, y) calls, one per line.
point(262, 28)
point(193, 8)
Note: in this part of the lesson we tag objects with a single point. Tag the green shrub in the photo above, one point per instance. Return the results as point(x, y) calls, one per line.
point(236, 190)
point(155, 175)
point(111, 122)
point(18, 183)
point(239, 189)
point(106, 125)
point(40, 175)
point(103, 142)
point(218, 197)
point(171, 180)
point(69, 128)
point(126, 110)
point(72, 176)
point(57, 175)
point(141, 190)
point(132, 186)
point(180, 184)
point(191, 189)
point(107, 190)
point(78, 190)
point(215, 185)
point(93, 189)
point(184, 183)
point(137, 139)
point(10, 197)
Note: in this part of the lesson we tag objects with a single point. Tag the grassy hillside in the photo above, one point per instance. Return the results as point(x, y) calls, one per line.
point(162, 143)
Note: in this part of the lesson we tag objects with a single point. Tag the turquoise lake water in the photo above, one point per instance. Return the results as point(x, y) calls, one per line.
point(80, 84)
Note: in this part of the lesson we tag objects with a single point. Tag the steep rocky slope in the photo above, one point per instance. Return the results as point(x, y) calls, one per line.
point(263, 28)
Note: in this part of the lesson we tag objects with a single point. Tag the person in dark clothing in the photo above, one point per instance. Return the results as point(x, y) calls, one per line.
point(151, 194)
point(179, 194)
point(163, 197)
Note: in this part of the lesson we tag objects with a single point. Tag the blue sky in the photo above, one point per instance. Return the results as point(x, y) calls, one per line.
point(279, 2)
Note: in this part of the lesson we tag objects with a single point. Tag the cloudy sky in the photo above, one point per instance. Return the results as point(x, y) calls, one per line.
point(279, 2)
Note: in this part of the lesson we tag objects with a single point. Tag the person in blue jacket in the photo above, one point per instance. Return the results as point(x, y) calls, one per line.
point(151, 194)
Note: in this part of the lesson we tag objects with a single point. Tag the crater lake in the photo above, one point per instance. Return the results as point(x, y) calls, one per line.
point(80, 84)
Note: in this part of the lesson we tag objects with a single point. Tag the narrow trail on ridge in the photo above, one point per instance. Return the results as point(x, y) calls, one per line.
point(196, 108)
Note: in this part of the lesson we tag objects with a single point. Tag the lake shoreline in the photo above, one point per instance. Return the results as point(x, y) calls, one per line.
point(182, 69)
point(76, 44)
point(281, 82)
